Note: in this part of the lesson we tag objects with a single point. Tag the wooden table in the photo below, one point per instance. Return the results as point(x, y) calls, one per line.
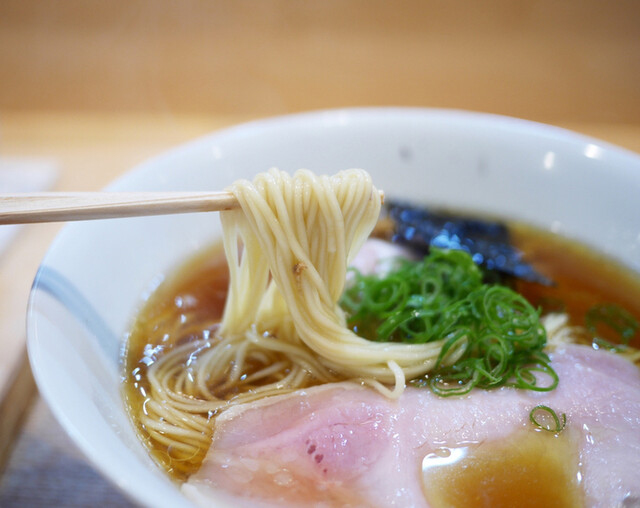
point(43, 468)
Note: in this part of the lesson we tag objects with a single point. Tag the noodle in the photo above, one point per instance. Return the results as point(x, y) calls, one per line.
point(308, 228)
point(288, 248)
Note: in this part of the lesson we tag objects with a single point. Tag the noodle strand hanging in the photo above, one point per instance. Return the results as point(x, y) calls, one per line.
point(287, 248)
point(306, 229)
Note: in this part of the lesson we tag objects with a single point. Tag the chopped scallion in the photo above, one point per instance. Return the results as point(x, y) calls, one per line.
point(542, 421)
point(494, 332)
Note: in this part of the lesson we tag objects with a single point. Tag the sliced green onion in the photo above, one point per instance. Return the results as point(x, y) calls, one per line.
point(492, 332)
point(558, 426)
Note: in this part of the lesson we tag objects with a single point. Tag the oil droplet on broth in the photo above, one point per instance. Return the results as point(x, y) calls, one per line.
point(528, 469)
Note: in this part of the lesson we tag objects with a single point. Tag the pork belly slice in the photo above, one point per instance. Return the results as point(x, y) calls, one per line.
point(346, 445)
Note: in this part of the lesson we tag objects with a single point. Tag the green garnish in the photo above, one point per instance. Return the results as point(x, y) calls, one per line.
point(545, 424)
point(615, 318)
point(495, 333)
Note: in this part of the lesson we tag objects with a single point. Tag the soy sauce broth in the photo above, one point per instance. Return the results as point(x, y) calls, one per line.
point(196, 292)
point(583, 279)
point(543, 471)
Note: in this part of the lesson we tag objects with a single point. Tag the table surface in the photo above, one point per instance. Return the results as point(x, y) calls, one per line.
point(44, 468)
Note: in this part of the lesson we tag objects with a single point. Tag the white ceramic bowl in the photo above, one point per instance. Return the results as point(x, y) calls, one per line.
point(94, 278)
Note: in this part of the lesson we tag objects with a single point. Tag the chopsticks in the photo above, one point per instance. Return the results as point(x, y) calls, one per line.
point(27, 208)
point(74, 206)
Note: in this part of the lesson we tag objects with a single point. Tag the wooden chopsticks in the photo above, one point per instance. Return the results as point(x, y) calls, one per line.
point(73, 206)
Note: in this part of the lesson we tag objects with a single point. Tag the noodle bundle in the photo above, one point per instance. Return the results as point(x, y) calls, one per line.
point(288, 247)
point(299, 234)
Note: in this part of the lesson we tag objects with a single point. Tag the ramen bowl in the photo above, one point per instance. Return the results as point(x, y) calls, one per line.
point(97, 274)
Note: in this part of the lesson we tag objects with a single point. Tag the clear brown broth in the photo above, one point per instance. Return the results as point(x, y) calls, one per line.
point(583, 278)
point(543, 471)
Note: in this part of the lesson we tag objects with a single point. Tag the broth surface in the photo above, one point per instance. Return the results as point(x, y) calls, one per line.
point(542, 472)
point(583, 279)
point(194, 296)
point(188, 305)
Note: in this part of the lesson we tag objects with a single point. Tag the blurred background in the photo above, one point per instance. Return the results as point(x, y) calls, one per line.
point(89, 89)
point(540, 59)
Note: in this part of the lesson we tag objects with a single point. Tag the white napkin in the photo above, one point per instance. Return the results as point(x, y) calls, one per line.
point(18, 174)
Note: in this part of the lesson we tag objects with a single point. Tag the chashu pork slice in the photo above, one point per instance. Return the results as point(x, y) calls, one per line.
point(345, 445)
